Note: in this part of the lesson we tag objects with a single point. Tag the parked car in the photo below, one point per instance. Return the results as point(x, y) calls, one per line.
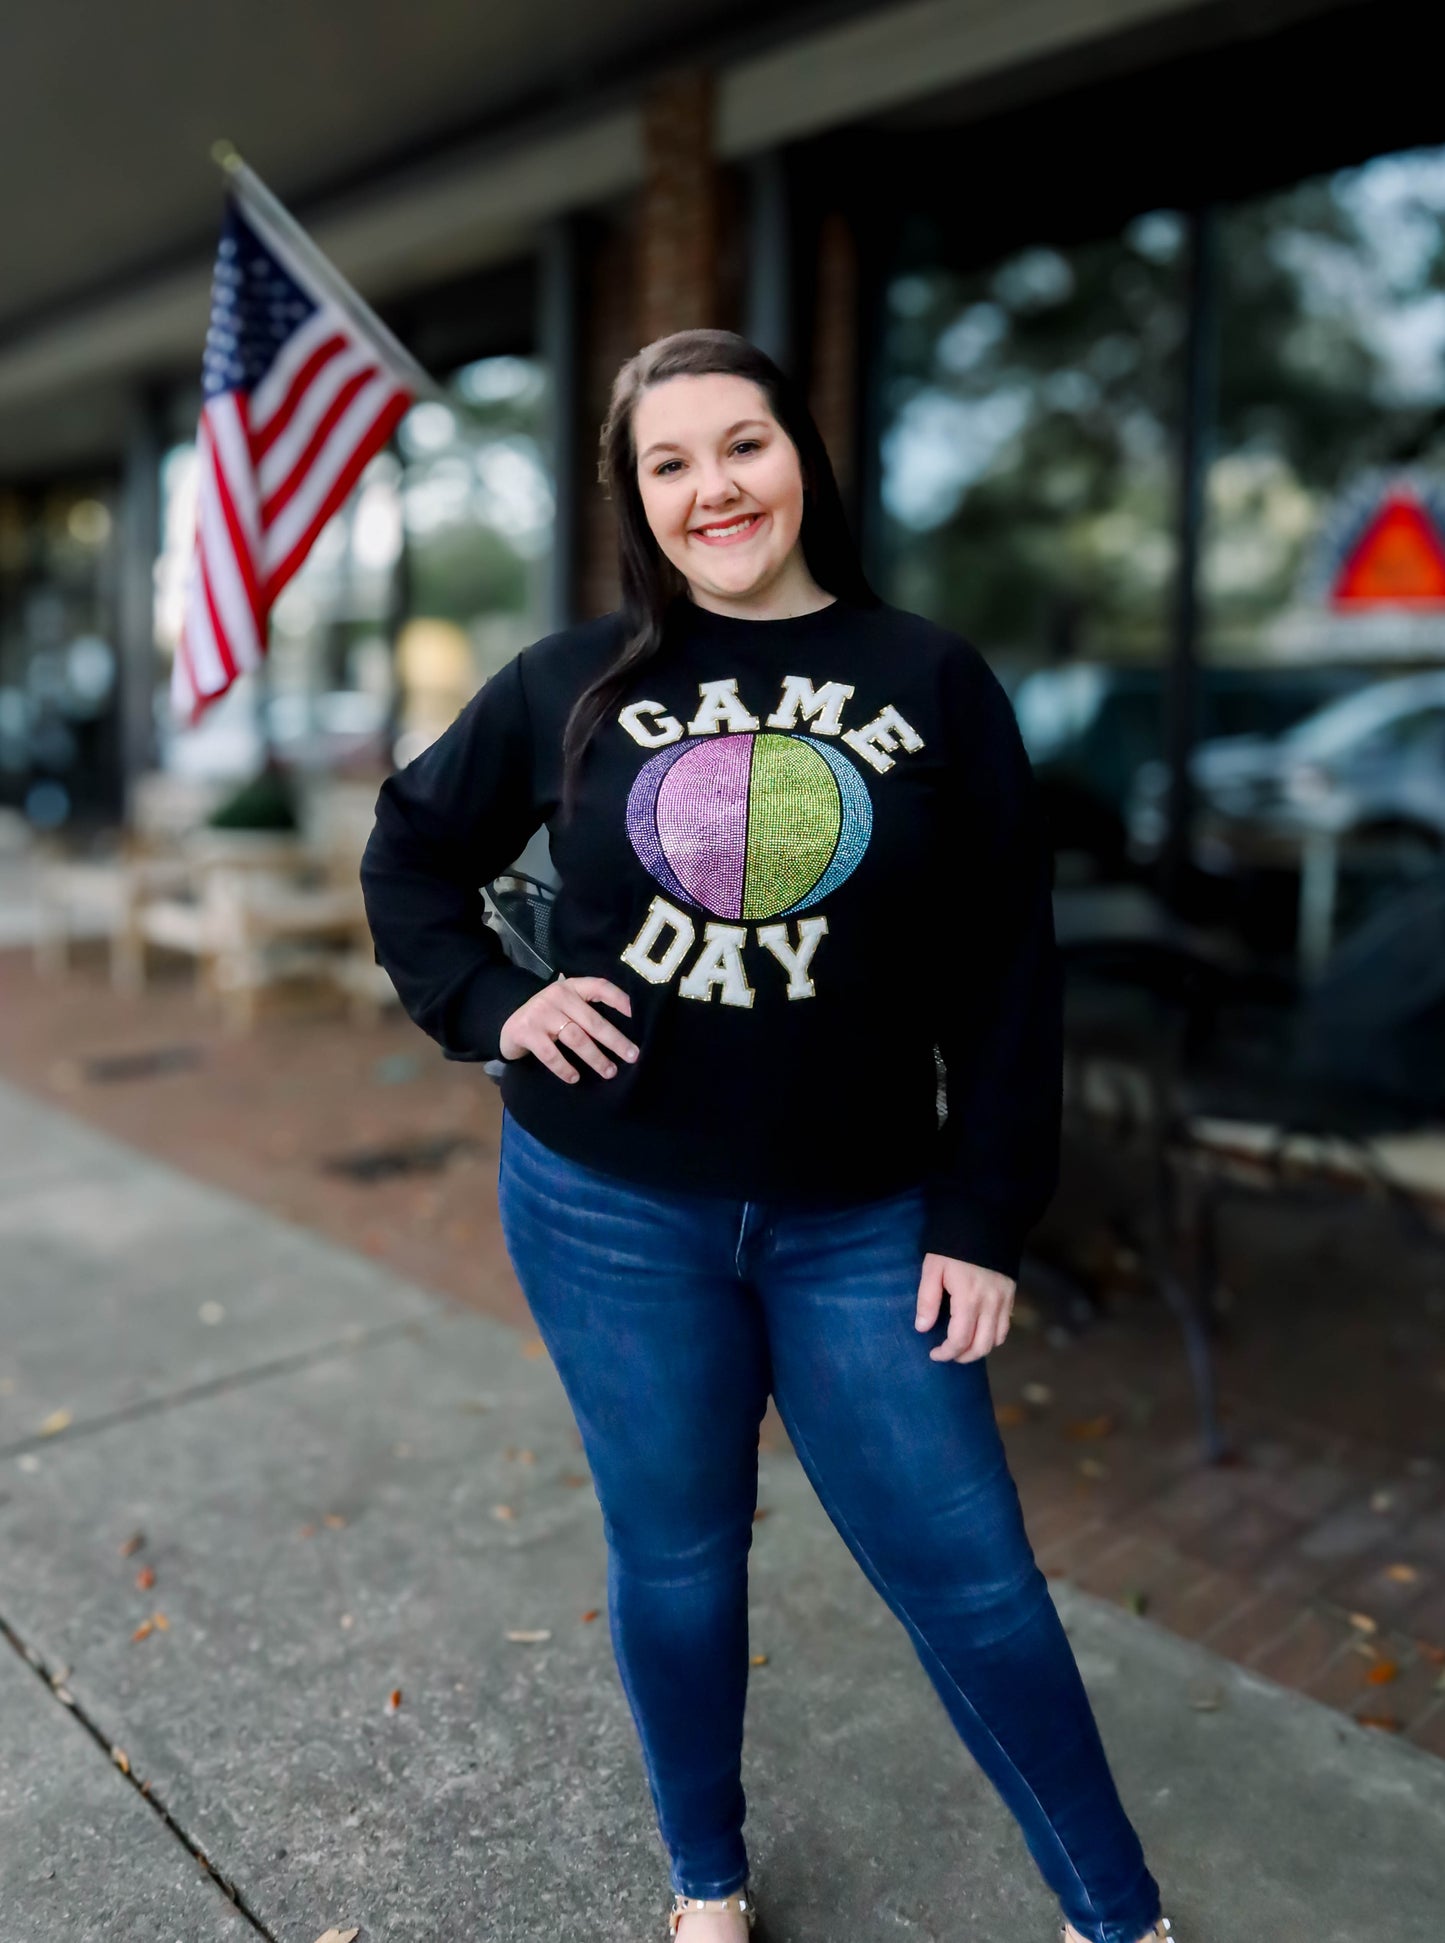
point(1372, 762)
point(1090, 728)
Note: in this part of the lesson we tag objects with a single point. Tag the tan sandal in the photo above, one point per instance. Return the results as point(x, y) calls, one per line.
point(739, 1899)
point(1162, 1932)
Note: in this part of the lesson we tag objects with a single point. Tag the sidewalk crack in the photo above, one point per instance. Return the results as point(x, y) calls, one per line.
point(414, 1326)
point(120, 1761)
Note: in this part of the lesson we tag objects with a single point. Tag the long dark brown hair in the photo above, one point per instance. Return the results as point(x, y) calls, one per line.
point(650, 582)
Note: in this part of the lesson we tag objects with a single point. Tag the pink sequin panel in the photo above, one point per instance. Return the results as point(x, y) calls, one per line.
point(702, 821)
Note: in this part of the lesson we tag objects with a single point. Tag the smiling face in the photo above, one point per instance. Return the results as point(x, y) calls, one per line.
point(722, 489)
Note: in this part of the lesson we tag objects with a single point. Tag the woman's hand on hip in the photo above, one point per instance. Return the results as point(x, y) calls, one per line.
point(559, 1015)
point(980, 1302)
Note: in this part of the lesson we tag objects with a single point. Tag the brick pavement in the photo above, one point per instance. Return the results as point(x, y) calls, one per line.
point(1316, 1557)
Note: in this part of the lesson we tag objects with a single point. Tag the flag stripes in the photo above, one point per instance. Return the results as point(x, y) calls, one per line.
point(297, 401)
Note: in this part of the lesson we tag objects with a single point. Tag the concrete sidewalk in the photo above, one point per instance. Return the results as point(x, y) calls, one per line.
point(315, 1455)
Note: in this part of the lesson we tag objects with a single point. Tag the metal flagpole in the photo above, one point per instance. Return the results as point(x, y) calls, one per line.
point(274, 214)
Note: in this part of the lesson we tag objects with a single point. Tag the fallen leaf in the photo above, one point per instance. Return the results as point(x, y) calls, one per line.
point(119, 1756)
point(1136, 1601)
point(339, 1936)
point(1362, 1622)
point(1364, 1649)
point(1402, 1574)
point(57, 1420)
point(144, 1630)
point(60, 1673)
point(1091, 1467)
point(1382, 1673)
point(1385, 1723)
point(393, 1701)
point(758, 1659)
point(1434, 1654)
point(161, 1621)
point(132, 1544)
point(1207, 1701)
point(1087, 1429)
point(575, 1479)
point(1038, 1394)
point(1006, 1415)
point(589, 1616)
point(145, 1578)
point(526, 1638)
point(760, 1514)
point(307, 1531)
point(65, 1696)
point(334, 1519)
point(503, 1511)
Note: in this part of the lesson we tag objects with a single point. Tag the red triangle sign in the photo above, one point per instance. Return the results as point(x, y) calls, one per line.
point(1398, 559)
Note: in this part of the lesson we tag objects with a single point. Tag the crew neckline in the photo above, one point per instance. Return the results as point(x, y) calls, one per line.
point(774, 627)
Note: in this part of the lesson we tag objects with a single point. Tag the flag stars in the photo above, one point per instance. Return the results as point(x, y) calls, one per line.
point(255, 306)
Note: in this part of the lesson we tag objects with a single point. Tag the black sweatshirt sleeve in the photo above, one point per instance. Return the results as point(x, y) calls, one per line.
point(463, 810)
point(999, 1026)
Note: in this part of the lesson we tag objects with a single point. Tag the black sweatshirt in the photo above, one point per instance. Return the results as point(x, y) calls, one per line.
point(809, 849)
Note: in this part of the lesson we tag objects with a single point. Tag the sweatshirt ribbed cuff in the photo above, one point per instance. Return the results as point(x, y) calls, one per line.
point(973, 1232)
point(489, 1001)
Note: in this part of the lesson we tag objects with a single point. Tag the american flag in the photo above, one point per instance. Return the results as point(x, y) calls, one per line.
point(298, 396)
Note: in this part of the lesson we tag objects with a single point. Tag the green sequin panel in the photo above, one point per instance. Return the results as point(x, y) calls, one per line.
point(794, 815)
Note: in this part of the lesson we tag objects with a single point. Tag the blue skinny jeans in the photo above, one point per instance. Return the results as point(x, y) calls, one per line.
point(670, 1317)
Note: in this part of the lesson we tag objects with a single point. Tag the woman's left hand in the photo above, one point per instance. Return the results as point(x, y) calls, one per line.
point(980, 1302)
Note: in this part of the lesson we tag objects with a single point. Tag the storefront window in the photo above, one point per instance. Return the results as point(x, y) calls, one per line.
point(58, 663)
point(1030, 496)
point(1332, 381)
point(1026, 456)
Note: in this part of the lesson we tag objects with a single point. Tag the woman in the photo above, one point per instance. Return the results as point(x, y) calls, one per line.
point(797, 849)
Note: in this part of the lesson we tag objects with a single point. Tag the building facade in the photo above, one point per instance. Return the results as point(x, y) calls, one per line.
point(1067, 284)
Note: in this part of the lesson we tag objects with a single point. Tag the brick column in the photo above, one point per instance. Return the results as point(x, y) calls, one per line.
point(679, 216)
point(610, 336)
point(671, 263)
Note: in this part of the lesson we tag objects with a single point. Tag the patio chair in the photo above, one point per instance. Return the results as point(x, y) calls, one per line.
point(519, 910)
point(1244, 1083)
point(94, 896)
point(258, 908)
point(337, 817)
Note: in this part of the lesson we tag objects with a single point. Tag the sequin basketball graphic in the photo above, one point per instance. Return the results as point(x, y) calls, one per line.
point(750, 826)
